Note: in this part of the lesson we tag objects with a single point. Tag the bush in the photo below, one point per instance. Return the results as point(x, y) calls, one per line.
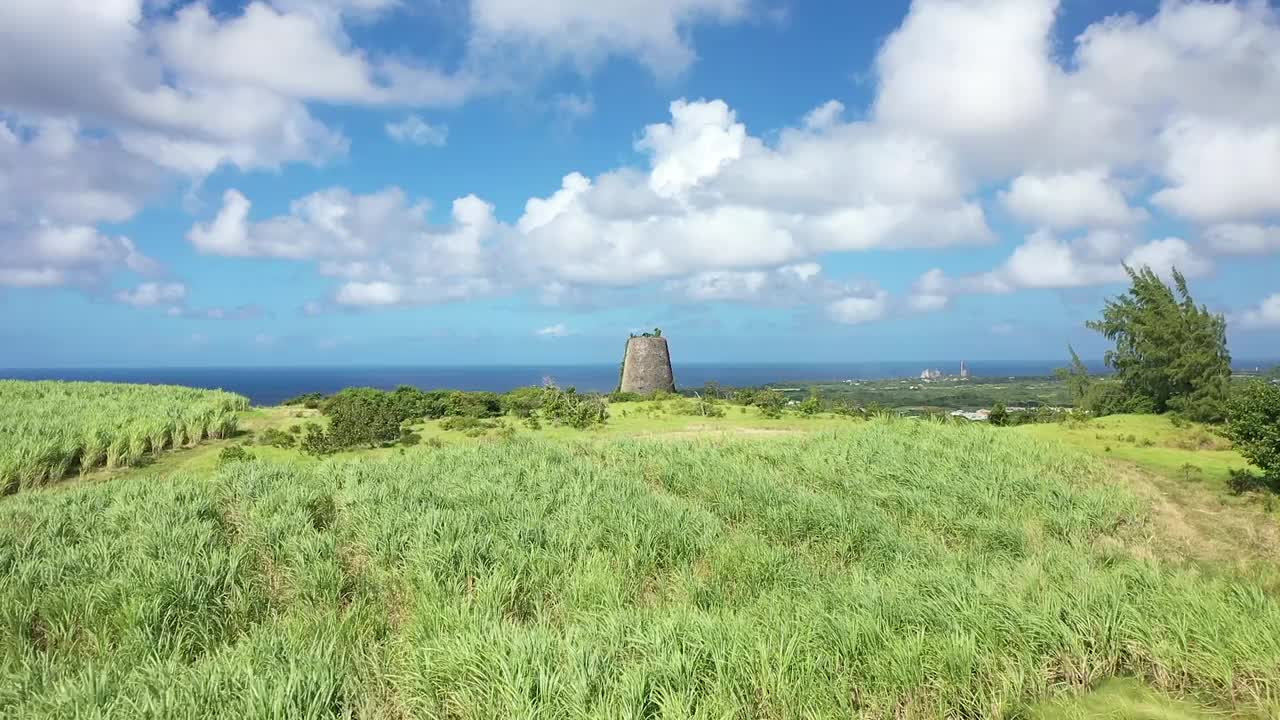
point(771, 402)
point(999, 415)
point(567, 407)
point(276, 438)
point(523, 402)
point(1253, 424)
point(409, 438)
point(463, 423)
point(811, 406)
point(312, 401)
point(233, 454)
point(362, 416)
point(317, 442)
point(1105, 398)
point(618, 396)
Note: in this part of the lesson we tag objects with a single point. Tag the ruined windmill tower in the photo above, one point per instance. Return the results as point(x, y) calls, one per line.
point(646, 367)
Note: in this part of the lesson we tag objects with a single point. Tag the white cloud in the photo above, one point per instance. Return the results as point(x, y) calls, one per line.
point(718, 199)
point(1084, 198)
point(416, 131)
point(369, 293)
point(1240, 239)
point(149, 294)
point(1178, 111)
point(1265, 316)
point(380, 244)
point(586, 32)
point(558, 330)
point(1220, 171)
point(856, 310)
point(801, 283)
point(969, 71)
point(1046, 262)
point(1162, 256)
point(48, 255)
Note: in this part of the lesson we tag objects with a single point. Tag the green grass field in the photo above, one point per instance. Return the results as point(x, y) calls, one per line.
point(659, 566)
point(880, 569)
point(1193, 453)
point(49, 430)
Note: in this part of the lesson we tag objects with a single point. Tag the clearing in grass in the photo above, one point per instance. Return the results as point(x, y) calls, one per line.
point(894, 569)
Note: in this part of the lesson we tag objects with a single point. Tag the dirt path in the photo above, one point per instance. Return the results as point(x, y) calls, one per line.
point(1193, 523)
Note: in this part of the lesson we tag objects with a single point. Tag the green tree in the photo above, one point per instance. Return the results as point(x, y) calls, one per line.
point(1076, 377)
point(1253, 424)
point(770, 402)
point(1170, 354)
point(811, 405)
point(362, 416)
point(999, 416)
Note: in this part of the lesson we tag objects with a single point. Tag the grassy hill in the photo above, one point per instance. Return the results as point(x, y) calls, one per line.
point(862, 569)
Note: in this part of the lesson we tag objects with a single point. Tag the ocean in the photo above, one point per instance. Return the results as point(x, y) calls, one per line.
point(271, 385)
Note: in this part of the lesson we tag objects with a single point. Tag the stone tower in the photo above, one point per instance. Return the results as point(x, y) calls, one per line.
point(647, 366)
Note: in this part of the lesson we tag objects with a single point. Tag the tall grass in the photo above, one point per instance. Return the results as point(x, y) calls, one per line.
point(51, 429)
point(903, 570)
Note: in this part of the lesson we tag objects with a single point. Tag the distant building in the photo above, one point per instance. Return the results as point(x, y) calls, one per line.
point(964, 371)
point(930, 374)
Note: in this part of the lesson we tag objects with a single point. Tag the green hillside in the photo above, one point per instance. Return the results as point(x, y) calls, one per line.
point(891, 568)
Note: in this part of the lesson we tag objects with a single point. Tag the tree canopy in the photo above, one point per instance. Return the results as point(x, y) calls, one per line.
point(1170, 354)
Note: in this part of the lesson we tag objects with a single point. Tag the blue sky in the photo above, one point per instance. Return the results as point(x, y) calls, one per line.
point(494, 181)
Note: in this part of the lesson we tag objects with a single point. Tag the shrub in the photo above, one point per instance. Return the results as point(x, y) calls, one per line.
point(811, 405)
point(362, 416)
point(523, 402)
point(567, 407)
point(463, 423)
point(317, 442)
point(409, 438)
point(308, 400)
point(473, 404)
point(618, 396)
point(277, 438)
point(233, 454)
point(771, 402)
point(999, 415)
point(1104, 398)
point(1253, 424)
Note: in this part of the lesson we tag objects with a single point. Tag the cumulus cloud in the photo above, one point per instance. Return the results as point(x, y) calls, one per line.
point(1243, 239)
point(380, 244)
point(1046, 262)
point(1265, 316)
point(78, 255)
point(1177, 112)
point(586, 32)
point(149, 294)
point(558, 330)
point(857, 310)
point(1084, 198)
point(716, 198)
point(413, 130)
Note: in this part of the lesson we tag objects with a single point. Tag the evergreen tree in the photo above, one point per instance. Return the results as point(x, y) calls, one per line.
point(1170, 354)
point(1076, 378)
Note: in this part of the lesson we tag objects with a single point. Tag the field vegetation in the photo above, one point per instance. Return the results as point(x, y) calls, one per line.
point(894, 569)
point(49, 430)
